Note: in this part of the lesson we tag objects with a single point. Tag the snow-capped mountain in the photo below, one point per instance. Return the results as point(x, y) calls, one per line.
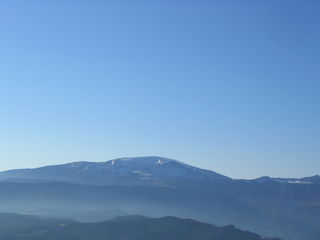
point(132, 170)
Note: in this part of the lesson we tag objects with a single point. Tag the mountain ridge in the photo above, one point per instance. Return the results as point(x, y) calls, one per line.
point(136, 164)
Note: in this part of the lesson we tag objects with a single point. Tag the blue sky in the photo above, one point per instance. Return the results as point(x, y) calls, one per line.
point(231, 86)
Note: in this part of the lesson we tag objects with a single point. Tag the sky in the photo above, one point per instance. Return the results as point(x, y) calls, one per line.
point(231, 86)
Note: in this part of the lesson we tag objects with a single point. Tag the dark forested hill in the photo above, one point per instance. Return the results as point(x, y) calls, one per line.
point(21, 227)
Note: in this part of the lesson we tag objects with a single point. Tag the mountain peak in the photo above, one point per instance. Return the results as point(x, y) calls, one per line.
point(146, 160)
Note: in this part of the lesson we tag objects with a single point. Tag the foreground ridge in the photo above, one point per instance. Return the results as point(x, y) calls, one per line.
point(13, 226)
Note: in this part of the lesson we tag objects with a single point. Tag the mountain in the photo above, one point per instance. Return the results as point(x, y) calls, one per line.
point(156, 187)
point(18, 227)
point(123, 171)
point(305, 180)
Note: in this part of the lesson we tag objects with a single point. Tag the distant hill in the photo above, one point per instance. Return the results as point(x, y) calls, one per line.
point(305, 180)
point(21, 227)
